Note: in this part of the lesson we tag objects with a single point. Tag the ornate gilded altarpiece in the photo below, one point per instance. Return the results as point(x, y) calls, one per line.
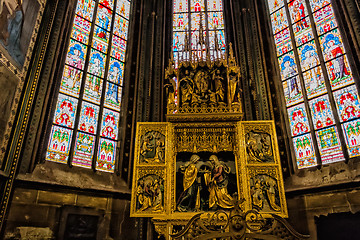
point(205, 160)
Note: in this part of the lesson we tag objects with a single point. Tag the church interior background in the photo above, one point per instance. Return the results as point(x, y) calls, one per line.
point(82, 80)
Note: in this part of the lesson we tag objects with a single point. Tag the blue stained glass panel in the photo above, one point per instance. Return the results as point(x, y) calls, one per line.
point(84, 150)
point(352, 135)
point(121, 27)
point(88, 117)
point(321, 112)
point(93, 89)
point(292, 91)
point(179, 41)
point(283, 42)
point(298, 11)
point(331, 45)
point(118, 48)
point(76, 54)
point(329, 145)
point(85, 9)
point(275, 5)
point(71, 81)
point(325, 20)
point(215, 20)
point(65, 111)
point(59, 145)
point(197, 5)
point(339, 72)
point(82, 24)
point(116, 71)
point(106, 156)
point(304, 151)
point(80, 35)
point(299, 123)
point(100, 39)
point(103, 18)
point(113, 96)
point(303, 33)
point(180, 22)
point(308, 56)
point(317, 4)
point(314, 82)
point(97, 63)
point(288, 66)
point(123, 8)
point(279, 20)
point(109, 124)
point(347, 103)
point(180, 6)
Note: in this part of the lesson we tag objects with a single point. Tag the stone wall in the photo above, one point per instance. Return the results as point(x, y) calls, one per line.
point(35, 211)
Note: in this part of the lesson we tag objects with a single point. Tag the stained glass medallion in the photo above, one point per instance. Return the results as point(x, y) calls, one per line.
point(325, 20)
point(321, 112)
point(304, 151)
point(317, 4)
point(298, 11)
point(275, 5)
point(65, 111)
point(299, 123)
point(85, 9)
point(314, 82)
point(308, 56)
point(59, 144)
point(352, 135)
point(279, 20)
point(180, 5)
point(197, 5)
point(123, 8)
point(106, 156)
point(180, 22)
point(84, 150)
point(215, 20)
point(121, 27)
point(109, 124)
point(339, 72)
point(89, 117)
point(331, 45)
point(292, 91)
point(283, 42)
point(347, 103)
point(113, 96)
point(288, 66)
point(116, 71)
point(76, 55)
point(93, 89)
point(71, 81)
point(329, 145)
point(97, 63)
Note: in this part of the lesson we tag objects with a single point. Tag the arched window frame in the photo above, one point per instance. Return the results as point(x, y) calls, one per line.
point(107, 109)
point(317, 154)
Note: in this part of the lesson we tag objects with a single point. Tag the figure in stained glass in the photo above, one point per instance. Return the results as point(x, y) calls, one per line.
point(298, 13)
point(76, 55)
point(115, 72)
point(96, 65)
point(103, 17)
point(332, 47)
point(304, 150)
point(347, 101)
point(288, 66)
point(309, 57)
point(85, 9)
point(93, 87)
point(292, 90)
point(279, 20)
point(65, 111)
point(71, 81)
point(298, 120)
point(352, 134)
point(59, 144)
point(109, 124)
point(321, 112)
point(112, 94)
point(88, 119)
point(314, 82)
point(106, 156)
point(123, 8)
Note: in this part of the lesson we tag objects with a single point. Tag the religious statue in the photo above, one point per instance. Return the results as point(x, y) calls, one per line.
point(219, 87)
point(201, 87)
point(170, 89)
point(264, 193)
point(190, 198)
point(217, 183)
point(150, 193)
point(234, 89)
point(186, 88)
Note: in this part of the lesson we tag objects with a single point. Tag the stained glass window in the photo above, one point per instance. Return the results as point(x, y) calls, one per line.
point(85, 124)
point(321, 98)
